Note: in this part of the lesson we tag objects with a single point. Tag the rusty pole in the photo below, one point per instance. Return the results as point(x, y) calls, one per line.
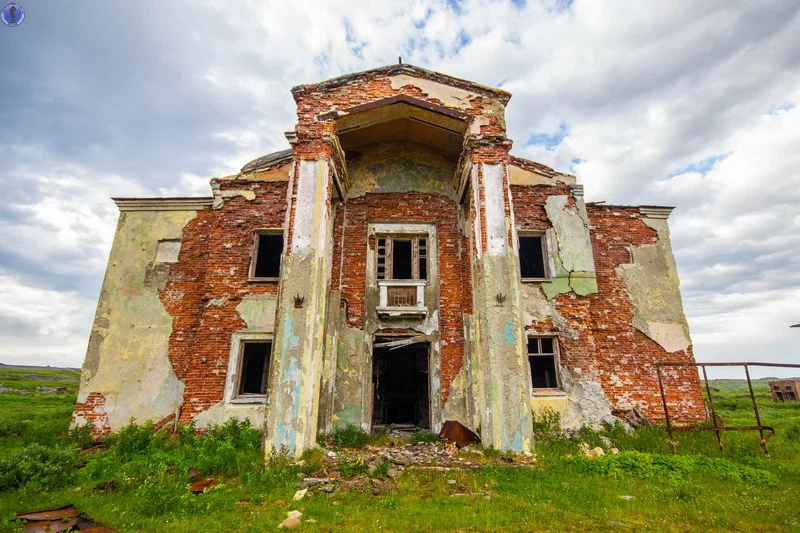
point(666, 411)
point(713, 412)
point(755, 410)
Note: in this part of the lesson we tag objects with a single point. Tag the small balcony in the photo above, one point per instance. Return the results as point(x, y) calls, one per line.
point(402, 298)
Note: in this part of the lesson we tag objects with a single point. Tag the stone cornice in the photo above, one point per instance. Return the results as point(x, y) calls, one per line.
point(655, 211)
point(164, 204)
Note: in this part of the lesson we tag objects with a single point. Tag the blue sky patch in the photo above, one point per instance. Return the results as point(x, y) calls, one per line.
point(774, 110)
point(701, 167)
point(548, 140)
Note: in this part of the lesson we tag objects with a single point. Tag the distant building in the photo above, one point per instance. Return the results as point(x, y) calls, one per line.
point(396, 265)
point(785, 390)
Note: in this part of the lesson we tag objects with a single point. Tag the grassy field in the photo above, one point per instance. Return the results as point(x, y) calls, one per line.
point(140, 482)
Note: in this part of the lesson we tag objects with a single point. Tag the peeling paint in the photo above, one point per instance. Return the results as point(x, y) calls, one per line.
point(570, 248)
point(131, 330)
point(654, 289)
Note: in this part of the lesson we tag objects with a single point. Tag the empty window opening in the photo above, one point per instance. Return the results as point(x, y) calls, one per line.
point(402, 258)
point(400, 386)
point(269, 249)
point(790, 397)
point(531, 257)
point(254, 370)
point(543, 359)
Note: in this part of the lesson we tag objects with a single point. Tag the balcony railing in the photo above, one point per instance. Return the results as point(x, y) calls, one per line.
point(402, 297)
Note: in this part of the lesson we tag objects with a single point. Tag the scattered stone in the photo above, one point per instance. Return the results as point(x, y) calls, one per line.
point(613, 451)
point(606, 441)
point(299, 495)
point(394, 473)
point(289, 523)
point(327, 488)
point(292, 520)
point(591, 453)
point(627, 497)
point(372, 469)
point(451, 481)
point(332, 453)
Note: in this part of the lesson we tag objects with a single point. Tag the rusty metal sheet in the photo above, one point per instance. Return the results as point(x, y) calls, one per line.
point(458, 433)
point(200, 486)
point(59, 513)
point(50, 526)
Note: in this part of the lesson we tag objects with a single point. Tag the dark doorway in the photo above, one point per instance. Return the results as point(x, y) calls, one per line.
point(400, 386)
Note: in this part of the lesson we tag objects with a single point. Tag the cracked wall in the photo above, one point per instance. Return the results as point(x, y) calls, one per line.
point(214, 303)
point(651, 281)
point(131, 330)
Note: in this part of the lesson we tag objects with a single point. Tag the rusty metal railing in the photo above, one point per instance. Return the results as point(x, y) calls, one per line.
point(718, 429)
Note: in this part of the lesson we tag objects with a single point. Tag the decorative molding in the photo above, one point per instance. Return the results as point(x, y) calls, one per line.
point(164, 204)
point(655, 211)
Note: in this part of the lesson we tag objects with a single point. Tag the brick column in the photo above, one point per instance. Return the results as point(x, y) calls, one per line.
point(292, 407)
point(499, 360)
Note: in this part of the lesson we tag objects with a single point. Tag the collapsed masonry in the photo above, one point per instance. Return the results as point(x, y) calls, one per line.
point(395, 266)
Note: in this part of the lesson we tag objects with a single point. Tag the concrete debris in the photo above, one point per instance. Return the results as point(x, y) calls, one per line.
point(591, 452)
point(394, 473)
point(299, 495)
point(292, 520)
point(626, 497)
point(613, 451)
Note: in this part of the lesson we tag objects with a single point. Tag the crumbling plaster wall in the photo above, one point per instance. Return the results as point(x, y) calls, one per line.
point(127, 362)
point(404, 184)
point(652, 283)
point(212, 300)
point(635, 265)
point(560, 307)
point(485, 106)
point(399, 167)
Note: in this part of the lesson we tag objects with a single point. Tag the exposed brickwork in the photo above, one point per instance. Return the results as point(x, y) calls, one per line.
point(454, 283)
point(93, 410)
point(209, 281)
point(608, 348)
point(211, 278)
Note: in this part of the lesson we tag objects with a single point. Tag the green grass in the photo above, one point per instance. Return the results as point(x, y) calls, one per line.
point(140, 483)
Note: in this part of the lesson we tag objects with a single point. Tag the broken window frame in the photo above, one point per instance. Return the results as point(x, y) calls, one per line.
point(254, 256)
point(233, 385)
point(542, 235)
point(420, 251)
point(556, 355)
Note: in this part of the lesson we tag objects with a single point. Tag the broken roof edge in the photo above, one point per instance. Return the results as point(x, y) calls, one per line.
point(650, 211)
point(534, 166)
point(268, 160)
point(403, 68)
point(177, 203)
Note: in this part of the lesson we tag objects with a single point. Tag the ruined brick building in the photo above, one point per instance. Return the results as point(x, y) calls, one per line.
point(396, 265)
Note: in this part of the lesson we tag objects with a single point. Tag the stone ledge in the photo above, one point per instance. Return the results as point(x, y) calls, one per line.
point(164, 204)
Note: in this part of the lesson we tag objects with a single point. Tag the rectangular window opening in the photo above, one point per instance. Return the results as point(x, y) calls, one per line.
point(531, 257)
point(543, 357)
point(254, 370)
point(401, 258)
point(269, 249)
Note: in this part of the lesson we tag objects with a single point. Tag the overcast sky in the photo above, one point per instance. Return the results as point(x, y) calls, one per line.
point(692, 104)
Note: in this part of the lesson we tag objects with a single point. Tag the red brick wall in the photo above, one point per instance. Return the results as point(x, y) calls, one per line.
point(454, 282)
point(622, 350)
point(214, 264)
point(608, 348)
